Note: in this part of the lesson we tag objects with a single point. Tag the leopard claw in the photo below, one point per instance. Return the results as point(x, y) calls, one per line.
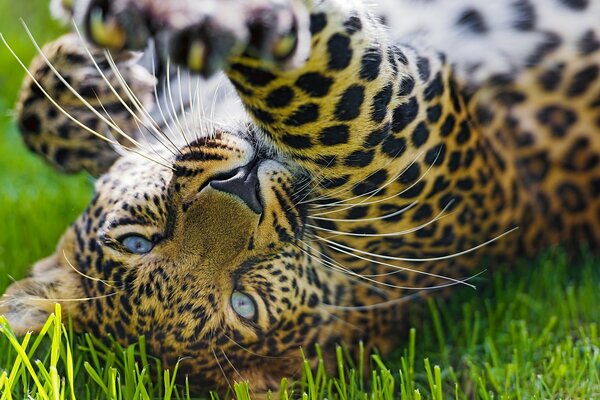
point(106, 31)
point(204, 48)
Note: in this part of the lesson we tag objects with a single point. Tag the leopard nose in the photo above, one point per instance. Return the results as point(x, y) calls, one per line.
point(243, 184)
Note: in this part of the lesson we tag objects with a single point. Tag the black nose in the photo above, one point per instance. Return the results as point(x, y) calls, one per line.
point(243, 184)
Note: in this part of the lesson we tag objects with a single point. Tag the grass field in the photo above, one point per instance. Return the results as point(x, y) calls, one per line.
point(529, 331)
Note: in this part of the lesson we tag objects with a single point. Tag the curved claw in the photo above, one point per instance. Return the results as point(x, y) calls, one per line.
point(106, 33)
point(196, 56)
point(284, 46)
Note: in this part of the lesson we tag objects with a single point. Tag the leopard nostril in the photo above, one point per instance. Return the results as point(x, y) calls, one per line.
point(244, 184)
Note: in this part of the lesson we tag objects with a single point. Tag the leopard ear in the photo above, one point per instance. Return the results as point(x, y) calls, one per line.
point(28, 303)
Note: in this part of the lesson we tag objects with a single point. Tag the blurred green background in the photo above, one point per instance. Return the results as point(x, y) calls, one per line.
point(36, 203)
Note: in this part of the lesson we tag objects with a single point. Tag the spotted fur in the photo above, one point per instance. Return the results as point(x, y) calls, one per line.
point(388, 160)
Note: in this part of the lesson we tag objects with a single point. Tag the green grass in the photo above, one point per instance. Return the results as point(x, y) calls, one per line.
point(530, 331)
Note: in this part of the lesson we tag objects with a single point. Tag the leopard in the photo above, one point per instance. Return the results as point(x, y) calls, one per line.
point(362, 157)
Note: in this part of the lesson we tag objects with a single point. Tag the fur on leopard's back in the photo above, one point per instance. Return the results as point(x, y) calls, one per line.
point(345, 167)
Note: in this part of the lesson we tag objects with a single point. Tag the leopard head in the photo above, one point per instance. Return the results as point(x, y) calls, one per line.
point(207, 256)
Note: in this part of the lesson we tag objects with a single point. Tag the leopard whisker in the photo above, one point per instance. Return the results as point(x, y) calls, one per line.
point(68, 115)
point(137, 124)
point(395, 213)
point(55, 103)
point(370, 193)
point(183, 114)
point(375, 306)
point(221, 368)
point(161, 111)
point(58, 300)
point(130, 94)
point(425, 259)
point(153, 127)
point(73, 91)
point(339, 268)
point(398, 269)
point(233, 366)
point(342, 268)
point(257, 354)
point(173, 112)
point(91, 278)
point(365, 201)
point(439, 216)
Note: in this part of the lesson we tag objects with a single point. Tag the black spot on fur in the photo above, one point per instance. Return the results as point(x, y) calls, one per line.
point(464, 134)
point(353, 25)
point(318, 22)
point(558, 119)
point(420, 135)
point(589, 43)
point(410, 174)
point(577, 5)
point(371, 64)
point(280, 97)
point(348, 107)
point(535, 166)
point(571, 198)
point(472, 20)
point(337, 134)
point(254, 76)
point(551, 78)
point(435, 88)
point(406, 86)
point(340, 51)
point(404, 114)
point(304, 114)
point(550, 44)
point(30, 124)
point(434, 113)
point(525, 15)
point(334, 182)
point(380, 103)
point(393, 147)
point(448, 126)
point(582, 80)
point(424, 68)
point(262, 115)
point(378, 135)
point(436, 155)
point(314, 84)
point(360, 158)
point(297, 141)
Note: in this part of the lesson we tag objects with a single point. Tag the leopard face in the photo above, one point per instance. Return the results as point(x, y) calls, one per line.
point(209, 272)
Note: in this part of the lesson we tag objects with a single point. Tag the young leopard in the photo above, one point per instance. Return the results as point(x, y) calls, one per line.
point(371, 163)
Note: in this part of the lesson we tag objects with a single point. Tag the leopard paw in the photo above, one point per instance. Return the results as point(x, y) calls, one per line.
point(204, 35)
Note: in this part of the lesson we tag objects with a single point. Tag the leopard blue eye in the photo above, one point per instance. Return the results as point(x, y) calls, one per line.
point(243, 305)
point(137, 244)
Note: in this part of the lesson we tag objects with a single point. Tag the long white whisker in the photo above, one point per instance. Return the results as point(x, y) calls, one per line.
point(131, 95)
point(172, 104)
point(73, 91)
point(425, 259)
point(91, 278)
point(382, 217)
point(398, 233)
